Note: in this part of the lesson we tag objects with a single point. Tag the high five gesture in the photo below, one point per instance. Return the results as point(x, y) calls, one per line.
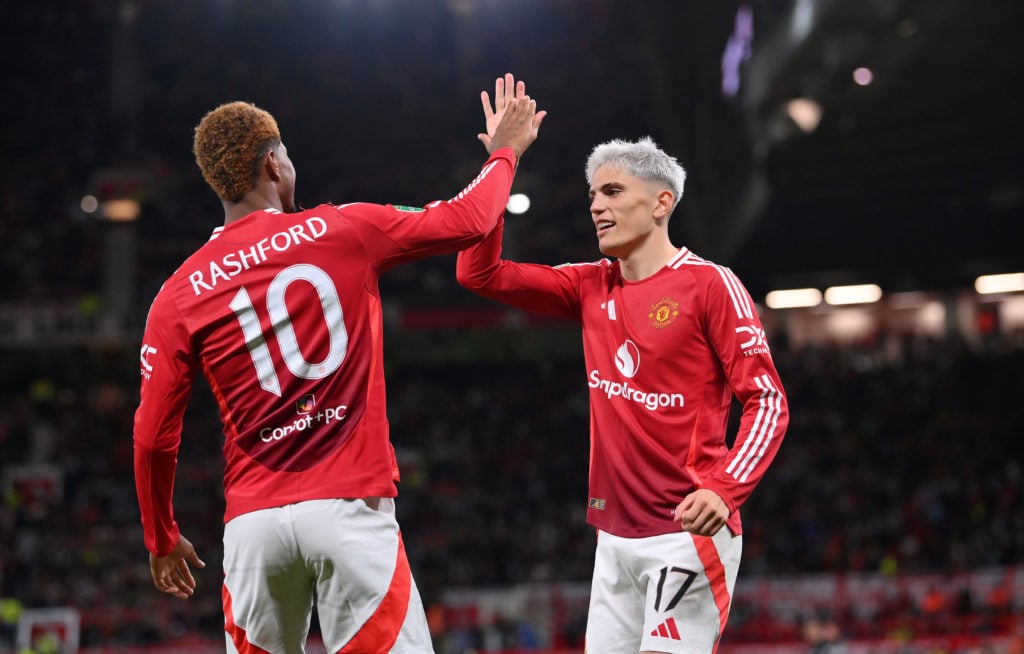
point(508, 94)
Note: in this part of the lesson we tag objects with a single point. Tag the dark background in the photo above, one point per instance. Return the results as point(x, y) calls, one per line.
point(914, 181)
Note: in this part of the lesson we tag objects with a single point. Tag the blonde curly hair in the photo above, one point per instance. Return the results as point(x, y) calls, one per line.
point(229, 144)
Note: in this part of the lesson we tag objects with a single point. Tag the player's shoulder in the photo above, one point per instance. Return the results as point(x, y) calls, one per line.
point(703, 270)
point(598, 267)
point(333, 219)
point(342, 206)
point(357, 207)
point(718, 283)
point(372, 213)
point(164, 306)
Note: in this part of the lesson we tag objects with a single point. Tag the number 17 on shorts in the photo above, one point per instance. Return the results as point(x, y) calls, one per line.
point(668, 593)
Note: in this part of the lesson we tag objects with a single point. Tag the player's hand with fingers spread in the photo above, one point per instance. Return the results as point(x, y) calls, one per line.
point(518, 127)
point(702, 512)
point(171, 573)
point(506, 91)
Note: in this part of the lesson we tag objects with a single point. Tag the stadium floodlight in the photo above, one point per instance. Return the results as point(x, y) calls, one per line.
point(518, 203)
point(793, 298)
point(89, 204)
point(854, 294)
point(805, 113)
point(863, 76)
point(1005, 283)
point(121, 210)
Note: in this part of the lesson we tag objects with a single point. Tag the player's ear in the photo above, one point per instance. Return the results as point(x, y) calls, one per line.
point(271, 166)
point(663, 207)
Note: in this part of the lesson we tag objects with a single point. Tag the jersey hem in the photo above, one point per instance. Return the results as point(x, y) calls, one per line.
point(258, 504)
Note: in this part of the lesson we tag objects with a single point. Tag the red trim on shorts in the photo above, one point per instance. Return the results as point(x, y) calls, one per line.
point(237, 634)
point(380, 632)
point(715, 572)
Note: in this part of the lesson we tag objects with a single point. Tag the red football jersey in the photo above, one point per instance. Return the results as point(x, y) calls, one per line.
point(664, 357)
point(282, 315)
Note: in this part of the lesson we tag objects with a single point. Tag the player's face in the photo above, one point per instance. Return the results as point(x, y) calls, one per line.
point(623, 209)
point(286, 185)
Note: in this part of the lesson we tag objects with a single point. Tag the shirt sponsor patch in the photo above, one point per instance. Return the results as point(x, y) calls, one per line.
point(306, 404)
point(756, 343)
point(146, 367)
point(402, 207)
point(596, 503)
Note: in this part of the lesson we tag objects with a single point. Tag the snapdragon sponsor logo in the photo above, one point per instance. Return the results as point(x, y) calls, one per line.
point(650, 400)
point(304, 422)
point(627, 361)
point(235, 262)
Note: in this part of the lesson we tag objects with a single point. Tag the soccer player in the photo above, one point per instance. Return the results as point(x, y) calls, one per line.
point(280, 311)
point(669, 339)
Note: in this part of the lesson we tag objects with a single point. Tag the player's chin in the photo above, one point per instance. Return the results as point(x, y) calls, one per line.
point(606, 246)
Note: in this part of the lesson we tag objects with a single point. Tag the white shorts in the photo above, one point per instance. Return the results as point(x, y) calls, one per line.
point(345, 555)
point(668, 593)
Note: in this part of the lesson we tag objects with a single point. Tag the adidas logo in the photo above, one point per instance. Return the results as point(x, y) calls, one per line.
point(667, 629)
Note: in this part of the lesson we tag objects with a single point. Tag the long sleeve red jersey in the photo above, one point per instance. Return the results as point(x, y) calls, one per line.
point(664, 358)
point(282, 315)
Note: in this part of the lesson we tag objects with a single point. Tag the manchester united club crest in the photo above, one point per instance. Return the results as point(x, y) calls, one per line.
point(663, 312)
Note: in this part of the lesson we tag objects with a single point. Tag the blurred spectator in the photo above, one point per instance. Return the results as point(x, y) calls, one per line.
point(822, 635)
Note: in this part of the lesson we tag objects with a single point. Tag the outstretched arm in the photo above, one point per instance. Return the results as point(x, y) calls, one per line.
point(480, 268)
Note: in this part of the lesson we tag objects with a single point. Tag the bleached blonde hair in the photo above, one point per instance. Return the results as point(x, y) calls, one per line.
point(642, 159)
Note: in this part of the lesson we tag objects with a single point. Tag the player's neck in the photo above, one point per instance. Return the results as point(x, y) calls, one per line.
point(646, 261)
point(251, 203)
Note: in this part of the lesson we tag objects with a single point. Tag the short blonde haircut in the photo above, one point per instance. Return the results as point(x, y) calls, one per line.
point(229, 144)
point(642, 159)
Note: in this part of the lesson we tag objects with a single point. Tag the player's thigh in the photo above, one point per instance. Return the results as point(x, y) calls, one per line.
point(689, 582)
point(267, 594)
point(414, 637)
point(366, 596)
point(616, 614)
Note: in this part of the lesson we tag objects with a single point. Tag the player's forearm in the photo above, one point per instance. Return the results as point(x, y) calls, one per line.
point(154, 487)
point(531, 287)
point(475, 211)
point(762, 428)
point(477, 266)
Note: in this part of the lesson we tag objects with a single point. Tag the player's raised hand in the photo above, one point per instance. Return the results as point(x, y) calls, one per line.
point(171, 573)
point(506, 89)
point(518, 127)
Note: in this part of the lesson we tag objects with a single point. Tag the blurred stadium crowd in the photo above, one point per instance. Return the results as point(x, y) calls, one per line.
point(900, 460)
point(903, 454)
